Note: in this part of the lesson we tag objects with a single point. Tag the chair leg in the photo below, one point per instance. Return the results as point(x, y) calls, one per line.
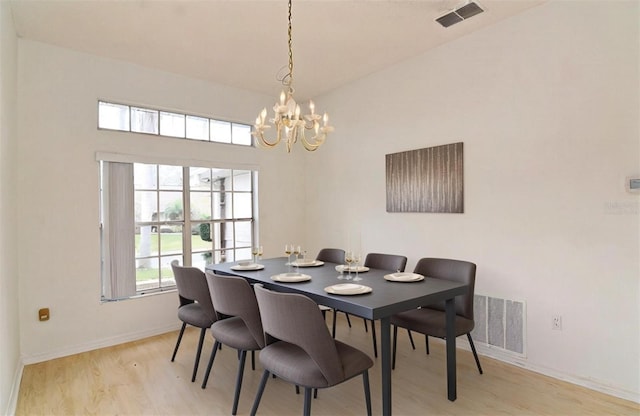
point(348, 320)
point(253, 360)
point(175, 351)
point(426, 343)
point(475, 354)
point(256, 401)
point(203, 332)
point(395, 343)
point(216, 347)
point(367, 391)
point(307, 401)
point(411, 339)
point(375, 341)
point(333, 331)
point(366, 327)
point(236, 397)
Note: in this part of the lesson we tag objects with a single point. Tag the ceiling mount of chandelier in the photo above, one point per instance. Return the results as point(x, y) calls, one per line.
point(289, 122)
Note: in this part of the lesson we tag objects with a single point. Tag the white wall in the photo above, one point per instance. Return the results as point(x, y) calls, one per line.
point(10, 368)
point(57, 175)
point(546, 104)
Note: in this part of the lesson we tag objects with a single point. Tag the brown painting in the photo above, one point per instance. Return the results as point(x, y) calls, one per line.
point(426, 180)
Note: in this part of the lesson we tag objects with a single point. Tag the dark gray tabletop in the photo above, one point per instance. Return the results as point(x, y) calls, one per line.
point(386, 298)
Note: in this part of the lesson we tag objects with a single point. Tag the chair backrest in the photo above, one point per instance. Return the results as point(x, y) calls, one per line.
point(454, 270)
point(296, 319)
point(192, 286)
point(391, 262)
point(332, 255)
point(233, 296)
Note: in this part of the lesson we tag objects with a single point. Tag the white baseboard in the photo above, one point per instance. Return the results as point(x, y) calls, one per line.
point(94, 345)
point(15, 389)
point(520, 360)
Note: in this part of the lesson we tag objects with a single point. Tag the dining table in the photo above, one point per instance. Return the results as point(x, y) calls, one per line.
point(384, 299)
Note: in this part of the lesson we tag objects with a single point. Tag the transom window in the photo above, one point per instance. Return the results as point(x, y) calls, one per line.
point(121, 117)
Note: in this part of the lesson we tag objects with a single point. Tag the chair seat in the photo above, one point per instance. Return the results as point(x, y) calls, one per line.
point(292, 364)
point(194, 314)
point(234, 333)
point(430, 322)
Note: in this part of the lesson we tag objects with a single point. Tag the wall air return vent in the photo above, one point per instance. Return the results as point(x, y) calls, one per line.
point(468, 10)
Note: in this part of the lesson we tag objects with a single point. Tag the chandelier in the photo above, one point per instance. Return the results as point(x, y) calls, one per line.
point(288, 121)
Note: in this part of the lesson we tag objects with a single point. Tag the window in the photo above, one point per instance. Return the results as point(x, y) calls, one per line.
point(152, 214)
point(121, 117)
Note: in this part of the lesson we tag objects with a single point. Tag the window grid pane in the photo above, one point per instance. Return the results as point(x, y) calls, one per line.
point(113, 116)
point(172, 124)
point(220, 131)
point(241, 134)
point(144, 120)
point(197, 128)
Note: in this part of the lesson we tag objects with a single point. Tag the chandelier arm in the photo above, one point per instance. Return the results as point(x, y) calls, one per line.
point(264, 142)
point(314, 142)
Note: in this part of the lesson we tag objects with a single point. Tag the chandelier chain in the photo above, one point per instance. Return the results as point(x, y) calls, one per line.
point(289, 78)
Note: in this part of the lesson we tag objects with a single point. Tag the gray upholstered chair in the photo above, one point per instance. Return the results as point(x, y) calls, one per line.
point(304, 352)
point(430, 320)
point(195, 307)
point(391, 262)
point(332, 255)
point(241, 329)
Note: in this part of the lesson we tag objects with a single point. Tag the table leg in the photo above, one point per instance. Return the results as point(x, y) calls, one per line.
point(385, 352)
point(450, 308)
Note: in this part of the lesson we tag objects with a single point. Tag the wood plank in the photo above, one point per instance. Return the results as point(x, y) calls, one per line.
point(138, 378)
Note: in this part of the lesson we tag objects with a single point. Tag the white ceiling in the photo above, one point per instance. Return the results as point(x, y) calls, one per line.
point(244, 43)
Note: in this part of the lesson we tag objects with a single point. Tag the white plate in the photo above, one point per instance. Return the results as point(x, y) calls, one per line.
point(344, 268)
point(307, 263)
point(251, 266)
point(347, 289)
point(404, 277)
point(291, 277)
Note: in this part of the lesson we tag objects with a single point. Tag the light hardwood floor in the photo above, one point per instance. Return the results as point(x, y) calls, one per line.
point(137, 378)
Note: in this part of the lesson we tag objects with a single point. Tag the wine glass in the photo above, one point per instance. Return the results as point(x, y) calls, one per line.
point(288, 249)
point(348, 258)
point(356, 261)
point(296, 252)
point(257, 253)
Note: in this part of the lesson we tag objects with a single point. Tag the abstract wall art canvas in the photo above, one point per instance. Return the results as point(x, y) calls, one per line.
point(426, 180)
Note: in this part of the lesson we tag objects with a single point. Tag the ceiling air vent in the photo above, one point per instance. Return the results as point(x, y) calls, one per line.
point(458, 15)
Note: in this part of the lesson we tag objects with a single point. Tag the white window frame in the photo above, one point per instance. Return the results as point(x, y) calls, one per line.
point(153, 125)
point(117, 275)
